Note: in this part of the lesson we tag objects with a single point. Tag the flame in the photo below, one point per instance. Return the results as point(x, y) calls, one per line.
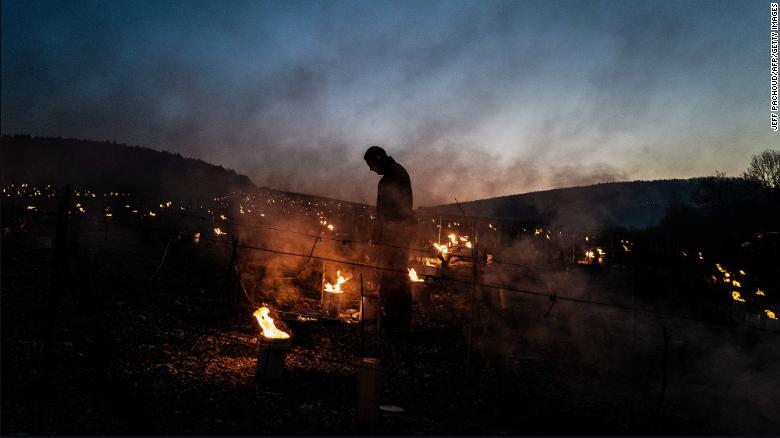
point(413, 276)
point(432, 262)
point(152, 214)
point(330, 227)
point(701, 256)
point(741, 272)
point(760, 292)
point(218, 231)
point(468, 245)
point(719, 268)
point(441, 248)
point(336, 289)
point(770, 314)
point(735, 295)
point(453, 238)
point(736, 283)
point(267, 324)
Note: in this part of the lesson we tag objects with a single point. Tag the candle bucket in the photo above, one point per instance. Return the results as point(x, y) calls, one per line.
point(421, 293)
point(369, 309)
point(331, 303)
point(270, 357)
point(503, 299)
point(369, 390)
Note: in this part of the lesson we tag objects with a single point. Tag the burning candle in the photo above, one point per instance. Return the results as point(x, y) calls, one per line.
point(267, 324)
point(272, 346)
point(332, 295)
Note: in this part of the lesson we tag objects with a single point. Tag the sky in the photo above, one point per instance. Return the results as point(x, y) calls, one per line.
point(475, 98)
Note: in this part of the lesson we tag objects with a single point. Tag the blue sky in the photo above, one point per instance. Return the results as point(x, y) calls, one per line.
point(475, 98)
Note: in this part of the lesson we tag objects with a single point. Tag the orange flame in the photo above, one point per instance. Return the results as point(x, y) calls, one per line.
point(336, 289)
point(770, 314)
point(413, 276)
point(441, 248)
point(736, 296)
point(267, 324)
point(760, 292)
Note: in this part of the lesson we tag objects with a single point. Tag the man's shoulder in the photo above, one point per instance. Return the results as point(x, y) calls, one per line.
point(399, 171)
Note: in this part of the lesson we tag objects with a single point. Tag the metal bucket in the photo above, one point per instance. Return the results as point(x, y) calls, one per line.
point(270, 357)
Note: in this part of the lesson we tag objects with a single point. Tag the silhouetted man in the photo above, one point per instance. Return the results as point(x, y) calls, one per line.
point(393, 231)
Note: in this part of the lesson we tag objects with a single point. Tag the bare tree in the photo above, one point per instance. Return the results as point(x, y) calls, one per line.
point(765, 169)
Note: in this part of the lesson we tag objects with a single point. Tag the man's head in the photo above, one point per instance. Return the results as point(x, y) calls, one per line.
point(377, 159)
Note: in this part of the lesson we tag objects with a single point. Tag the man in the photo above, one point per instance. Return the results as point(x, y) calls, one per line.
point(393, 232)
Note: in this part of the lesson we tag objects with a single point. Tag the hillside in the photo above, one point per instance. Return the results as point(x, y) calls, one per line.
point(636, 204)
point(111, 166)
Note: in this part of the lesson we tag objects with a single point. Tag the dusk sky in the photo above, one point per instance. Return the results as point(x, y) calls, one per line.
point(475, 98)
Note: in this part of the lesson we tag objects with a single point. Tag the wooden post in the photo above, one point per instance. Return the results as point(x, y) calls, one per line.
point(472, 298)
point(664, 370)
point(58, 274)
point(362, 322)
point(227, 296)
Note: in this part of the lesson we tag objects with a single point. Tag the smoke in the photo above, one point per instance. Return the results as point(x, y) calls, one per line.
point(474, 101)
point(654, 373)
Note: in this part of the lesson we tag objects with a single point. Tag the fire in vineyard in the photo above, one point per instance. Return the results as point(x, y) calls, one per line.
point(441, 248)
point(336, 289)
point(267, 324)
point(737, 297)
point(413, 276)
point(218, 231)
point(760, 292)
point(770, 314)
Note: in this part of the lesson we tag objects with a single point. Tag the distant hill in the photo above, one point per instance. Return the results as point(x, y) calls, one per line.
point(108, 166)
point(102, 165)
point(636, 204)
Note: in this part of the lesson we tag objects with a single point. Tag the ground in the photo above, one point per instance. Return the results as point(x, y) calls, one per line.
point(144, 347)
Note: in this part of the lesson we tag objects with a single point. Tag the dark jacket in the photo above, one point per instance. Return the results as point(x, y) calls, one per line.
point(393, 199)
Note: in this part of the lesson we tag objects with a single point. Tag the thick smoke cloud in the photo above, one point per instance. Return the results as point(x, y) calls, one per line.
point(476, 99)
